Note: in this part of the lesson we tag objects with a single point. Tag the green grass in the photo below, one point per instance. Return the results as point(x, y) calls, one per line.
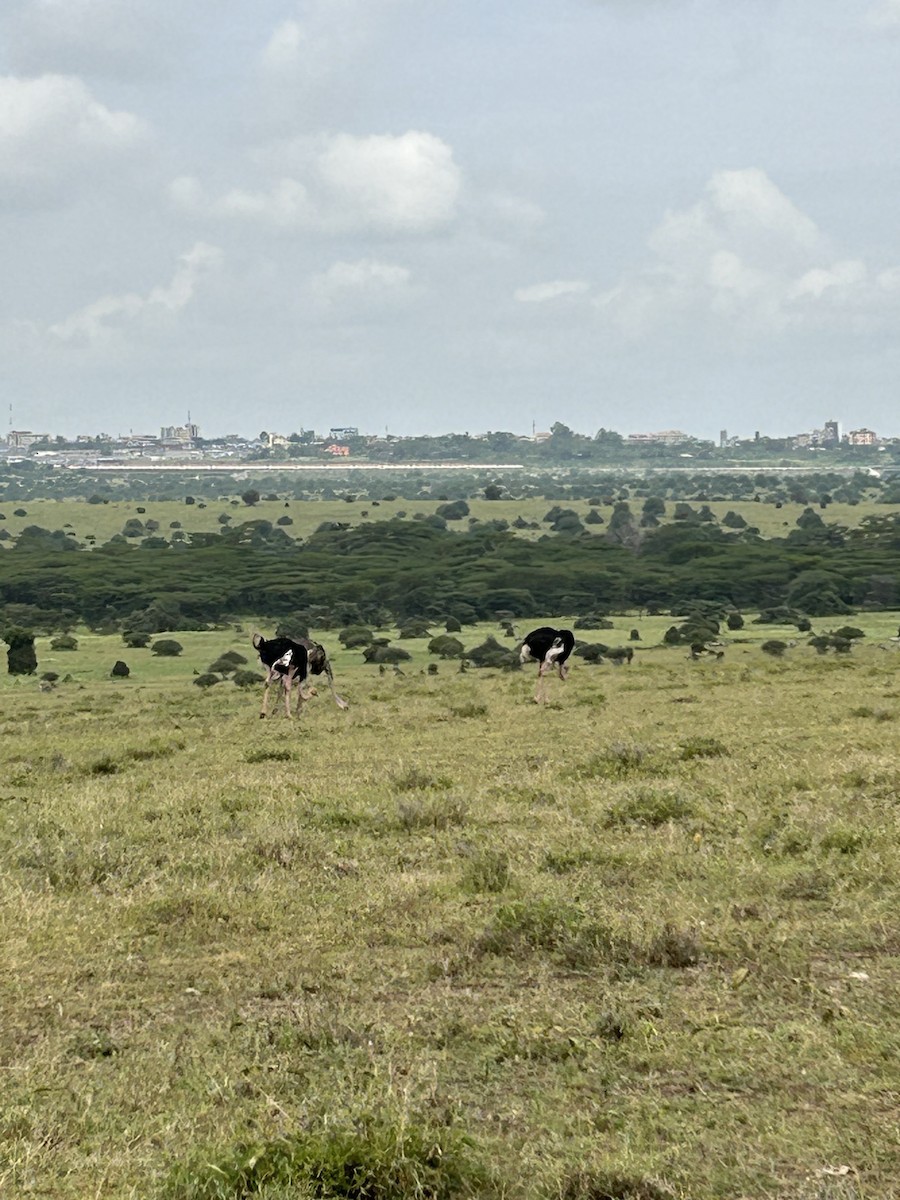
point(638, 942)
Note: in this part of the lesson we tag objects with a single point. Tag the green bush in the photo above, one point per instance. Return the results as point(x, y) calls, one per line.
point(166, 648)
point(65, 641)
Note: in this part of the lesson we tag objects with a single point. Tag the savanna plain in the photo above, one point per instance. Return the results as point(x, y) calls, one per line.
point(639, 942)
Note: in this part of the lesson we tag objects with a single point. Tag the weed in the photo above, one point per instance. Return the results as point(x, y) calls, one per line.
point(528, 925)
point(487, 871)
point(807, 885)
point(415, 780)
point(107, 765)
point(674, 947)
point(430, 812)
point(381, 1159)
point(701, 747)
point(258, 756)
point(618, 761)
point(842, 840)
point(469, 710)
point(648, 807)
point(584, 1184)
point(562, 862)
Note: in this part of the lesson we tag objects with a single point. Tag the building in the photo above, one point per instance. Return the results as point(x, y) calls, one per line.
point(21, 439)
point(862, 437)
point(341, 435)
point(338, 451)
point(179, 433)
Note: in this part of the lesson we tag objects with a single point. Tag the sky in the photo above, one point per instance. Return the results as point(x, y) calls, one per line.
point(425, 216)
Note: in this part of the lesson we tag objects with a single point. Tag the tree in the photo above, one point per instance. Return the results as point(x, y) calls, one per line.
point(250, 497)
point(20, 657)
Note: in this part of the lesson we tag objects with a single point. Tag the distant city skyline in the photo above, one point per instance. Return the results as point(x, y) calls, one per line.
point(830, 431)
point(452, 215)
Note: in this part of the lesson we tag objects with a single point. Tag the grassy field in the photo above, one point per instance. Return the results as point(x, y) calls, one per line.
point(639, 943)
point(103, 520)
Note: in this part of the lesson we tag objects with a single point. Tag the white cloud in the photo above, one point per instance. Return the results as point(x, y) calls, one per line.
point(102, 320)
point(885, 15)
point(285, 47)
point(539, 293)
point(366, 280)
point(392, 183)
point(747, 260)
point(52, 131)
point(382, 183)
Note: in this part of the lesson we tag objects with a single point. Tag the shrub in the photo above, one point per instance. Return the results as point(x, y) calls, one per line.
point(354, 636)
point(166, 648)
point(774, 647)
point(206, 680)
point(246, 679)
point(593, 622)
point(65, 641)
point(120, 670)
point(734, 620)
point(386, 654)
point(491, 654)
point(233, 657)
point(591, 651)
point(452, 625)
point(415, 627)
point(455, 511)
point(135, 639)
point(222, 666)
point(446, 646)
point(487, 871)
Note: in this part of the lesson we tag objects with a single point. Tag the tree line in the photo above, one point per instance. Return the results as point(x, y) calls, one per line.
point(388, 571)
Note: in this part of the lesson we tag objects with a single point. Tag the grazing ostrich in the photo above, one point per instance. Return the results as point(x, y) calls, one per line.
point(318, 663)
point(551, 648)
point(286, 660)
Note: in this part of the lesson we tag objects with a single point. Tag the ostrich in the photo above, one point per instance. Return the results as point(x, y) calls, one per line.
point(286, 660)
point(551, 648)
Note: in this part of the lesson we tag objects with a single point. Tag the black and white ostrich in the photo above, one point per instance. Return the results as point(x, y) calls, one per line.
point(551, 648)
point(293, 661)
point(286, 660)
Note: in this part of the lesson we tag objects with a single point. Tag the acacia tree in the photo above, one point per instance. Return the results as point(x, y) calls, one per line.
point(20, 657)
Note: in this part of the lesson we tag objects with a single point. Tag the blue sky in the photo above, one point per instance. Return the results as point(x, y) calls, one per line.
point(427, 215)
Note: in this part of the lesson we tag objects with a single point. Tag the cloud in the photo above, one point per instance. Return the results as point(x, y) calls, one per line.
point(540, 293)
point(381, 183)
point(103, 320)
point(93, 37)
point(366, 283)
point(54, 132)
point(746, 261)
point(885, 15)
